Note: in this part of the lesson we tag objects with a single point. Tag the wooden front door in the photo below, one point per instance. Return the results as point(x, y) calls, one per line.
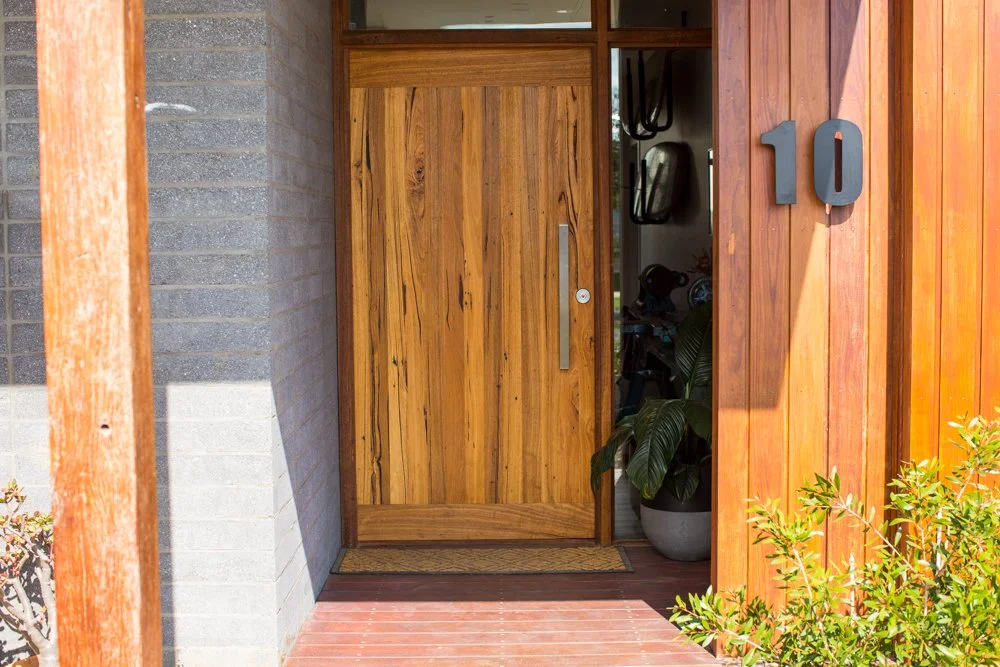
point(472, 226)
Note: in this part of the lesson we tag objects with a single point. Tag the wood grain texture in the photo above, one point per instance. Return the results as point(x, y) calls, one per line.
point(731, 280)
point(949, 223)
point(990, 369)
point(801, 296)
point(457, 194)
point(342, 174)
point(481, 66)
point(523, 521)
point(880, 459)
point(603, 267)
point(849, 276)
point(769, 278)
point(923, 222)
point(809, 248)
point(961, 217)
point(97, 331)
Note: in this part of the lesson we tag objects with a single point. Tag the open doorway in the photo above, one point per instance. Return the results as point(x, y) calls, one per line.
point(662, 246)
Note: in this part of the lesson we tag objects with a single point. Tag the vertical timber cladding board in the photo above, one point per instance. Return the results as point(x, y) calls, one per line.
point(802, 388)
point(458, 394)
point(731, 334)
point(961, 215)
point(952, 227)
point(990, 389)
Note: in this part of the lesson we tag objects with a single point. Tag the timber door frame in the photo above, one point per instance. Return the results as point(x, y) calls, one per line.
point(600, 38)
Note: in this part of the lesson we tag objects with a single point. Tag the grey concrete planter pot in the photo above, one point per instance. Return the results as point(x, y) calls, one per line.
point(680, 530)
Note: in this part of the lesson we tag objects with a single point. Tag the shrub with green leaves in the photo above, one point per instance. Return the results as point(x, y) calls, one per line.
point(27, 588)
point(929, 594)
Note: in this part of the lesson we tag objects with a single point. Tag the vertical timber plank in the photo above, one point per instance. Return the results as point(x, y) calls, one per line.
point(344, 274)
point(603, 298)
point(513, 224)
point(731, 332)
point(961, 223)
point(97, 330)
point(769, 277)
point(808, 356)
point(879, 460)
point(849, 267)
point(474, 280)
point(990, 374)
point(924, 228)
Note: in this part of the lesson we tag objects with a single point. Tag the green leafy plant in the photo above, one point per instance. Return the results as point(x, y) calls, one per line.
point(671, 438)
point(27, 600)
point(929, 595)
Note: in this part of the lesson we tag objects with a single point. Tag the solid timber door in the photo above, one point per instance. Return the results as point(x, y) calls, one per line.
point(472, 232)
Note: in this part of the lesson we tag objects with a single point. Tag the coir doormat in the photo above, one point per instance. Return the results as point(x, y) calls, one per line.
point(485, 560)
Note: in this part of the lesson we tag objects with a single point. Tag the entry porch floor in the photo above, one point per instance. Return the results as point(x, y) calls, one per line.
point(536, 619)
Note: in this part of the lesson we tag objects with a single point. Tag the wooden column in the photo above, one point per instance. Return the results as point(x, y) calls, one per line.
point(801, 294)
point(97, 330)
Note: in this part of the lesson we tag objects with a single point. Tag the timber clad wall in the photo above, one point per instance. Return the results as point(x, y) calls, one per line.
point(801, 296)
point(951, 228)
point(241, 243)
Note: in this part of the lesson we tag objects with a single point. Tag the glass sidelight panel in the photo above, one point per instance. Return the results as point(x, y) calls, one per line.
point(469, 14)
point(661, 142)
point(661, 13)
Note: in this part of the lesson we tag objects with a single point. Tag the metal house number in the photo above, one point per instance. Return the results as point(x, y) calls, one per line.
point(838, 162)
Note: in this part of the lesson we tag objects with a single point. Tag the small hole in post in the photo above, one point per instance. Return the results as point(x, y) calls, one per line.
point(105, 430)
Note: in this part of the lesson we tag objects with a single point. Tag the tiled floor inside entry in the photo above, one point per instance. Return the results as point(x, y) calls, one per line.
point(538, 619)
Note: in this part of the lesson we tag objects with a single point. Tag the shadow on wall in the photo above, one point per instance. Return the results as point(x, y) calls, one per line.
point(805, 271)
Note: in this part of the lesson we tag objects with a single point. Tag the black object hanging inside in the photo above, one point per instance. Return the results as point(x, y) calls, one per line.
point(640, 119)
point(663, 183)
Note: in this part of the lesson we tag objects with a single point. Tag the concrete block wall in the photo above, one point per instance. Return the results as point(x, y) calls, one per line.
point(241, 243)
point(303, 296)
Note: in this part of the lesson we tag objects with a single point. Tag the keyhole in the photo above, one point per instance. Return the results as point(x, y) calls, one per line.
point(838, 162)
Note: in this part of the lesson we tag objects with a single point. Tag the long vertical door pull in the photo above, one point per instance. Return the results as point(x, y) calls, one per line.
point(563, 297)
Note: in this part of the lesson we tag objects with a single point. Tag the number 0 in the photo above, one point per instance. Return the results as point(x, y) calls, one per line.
point(839, 166)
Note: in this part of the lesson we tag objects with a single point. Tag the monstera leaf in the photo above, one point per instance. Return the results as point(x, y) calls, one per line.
point(693, 348)
point(659, 428)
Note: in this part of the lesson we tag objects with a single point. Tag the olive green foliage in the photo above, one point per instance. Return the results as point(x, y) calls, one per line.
point(671, 437)
point(27, 588)
point(929, 595)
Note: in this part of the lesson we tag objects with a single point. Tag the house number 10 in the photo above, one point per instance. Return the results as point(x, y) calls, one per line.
point(838, 161)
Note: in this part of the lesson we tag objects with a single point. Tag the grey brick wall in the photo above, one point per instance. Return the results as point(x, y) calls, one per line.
point(241, 243)
point(303, 319)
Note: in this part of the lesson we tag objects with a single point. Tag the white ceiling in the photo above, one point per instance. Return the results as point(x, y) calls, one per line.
point(432, 14)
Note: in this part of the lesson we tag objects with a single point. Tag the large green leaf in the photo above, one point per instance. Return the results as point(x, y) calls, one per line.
point(683, 481)
point(604, 459)
point(699, 418)
point(659, 427)
point(693, 347)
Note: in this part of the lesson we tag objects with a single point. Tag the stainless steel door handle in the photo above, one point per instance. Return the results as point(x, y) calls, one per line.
point(563, 297)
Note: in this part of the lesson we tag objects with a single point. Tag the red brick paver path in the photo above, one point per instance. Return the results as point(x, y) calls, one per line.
point(567, 619)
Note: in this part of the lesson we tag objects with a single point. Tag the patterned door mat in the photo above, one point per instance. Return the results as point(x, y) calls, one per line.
point(484, 560)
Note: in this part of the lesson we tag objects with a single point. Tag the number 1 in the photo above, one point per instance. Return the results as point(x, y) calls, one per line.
point(783, 140)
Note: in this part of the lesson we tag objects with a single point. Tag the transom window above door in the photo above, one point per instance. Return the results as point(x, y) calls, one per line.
point(661, 13)
point(469, 14)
